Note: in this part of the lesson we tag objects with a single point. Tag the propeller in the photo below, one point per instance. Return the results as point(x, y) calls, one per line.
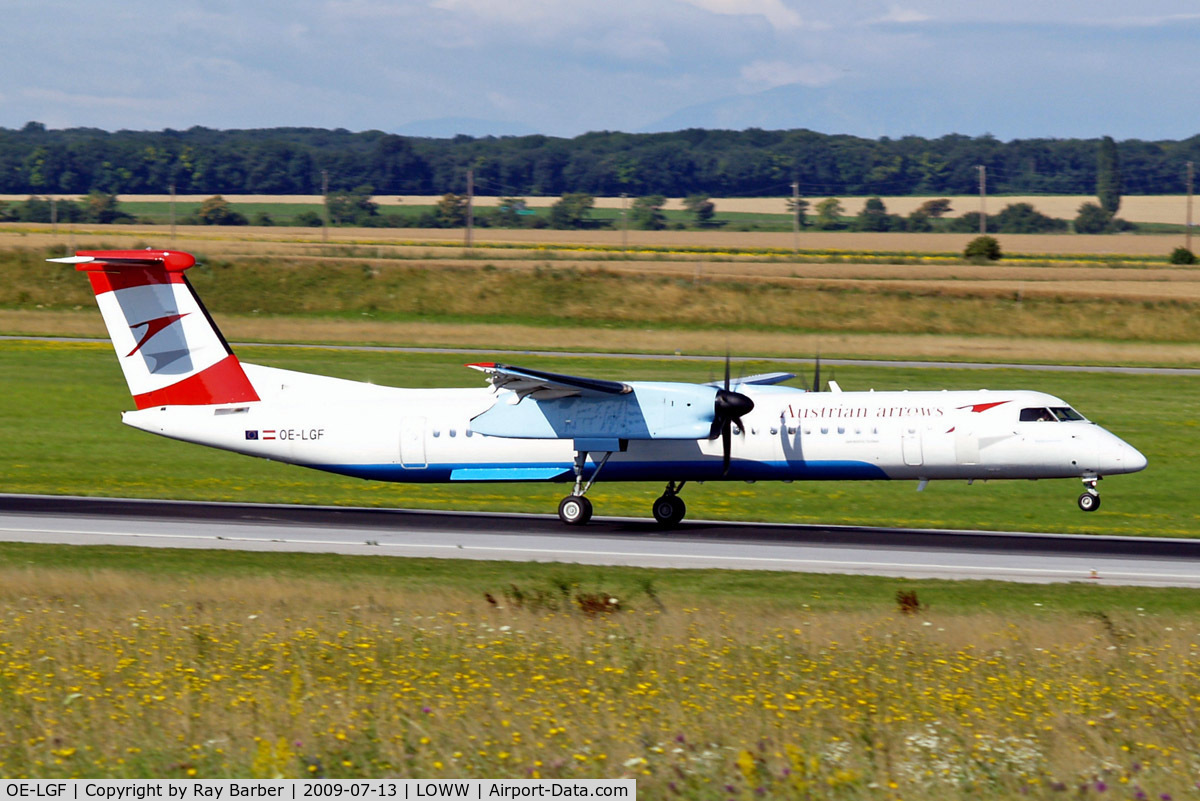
point(817, 374)
point(728, 408)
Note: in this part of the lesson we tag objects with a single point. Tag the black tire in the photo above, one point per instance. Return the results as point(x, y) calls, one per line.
point(1089, 502)
point(668, 510)
point(575, 510)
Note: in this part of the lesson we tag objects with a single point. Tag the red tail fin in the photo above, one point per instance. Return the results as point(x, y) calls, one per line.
point(169, 348)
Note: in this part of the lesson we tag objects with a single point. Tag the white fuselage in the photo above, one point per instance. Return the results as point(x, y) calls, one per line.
point(425, 435)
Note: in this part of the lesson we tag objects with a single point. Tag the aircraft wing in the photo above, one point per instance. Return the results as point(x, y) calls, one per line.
point(532, 404)
point(540, 385)
point(758, 378)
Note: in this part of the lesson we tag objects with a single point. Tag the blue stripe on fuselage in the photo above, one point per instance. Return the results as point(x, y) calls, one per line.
point(700, 470)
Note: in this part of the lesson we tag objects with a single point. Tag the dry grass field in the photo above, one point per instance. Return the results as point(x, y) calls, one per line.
point(673, 292)
point(1043, 246)
point(514, 337)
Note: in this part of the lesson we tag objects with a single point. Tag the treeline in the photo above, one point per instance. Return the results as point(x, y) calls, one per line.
point(753, 163)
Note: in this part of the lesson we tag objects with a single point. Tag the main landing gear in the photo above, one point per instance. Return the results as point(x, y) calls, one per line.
point(1089, 501)
point(576, 509)
point(669, 509)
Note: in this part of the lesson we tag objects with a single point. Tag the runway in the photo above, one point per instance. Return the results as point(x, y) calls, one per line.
point(1005, 556)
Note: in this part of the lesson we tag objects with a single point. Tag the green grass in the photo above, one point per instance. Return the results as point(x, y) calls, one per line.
point(60, 425)
point(160, 212)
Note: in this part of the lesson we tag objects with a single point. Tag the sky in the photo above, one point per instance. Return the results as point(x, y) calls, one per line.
point(1012, 69)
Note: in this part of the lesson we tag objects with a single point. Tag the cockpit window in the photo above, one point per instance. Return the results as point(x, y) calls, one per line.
point(1053, 415)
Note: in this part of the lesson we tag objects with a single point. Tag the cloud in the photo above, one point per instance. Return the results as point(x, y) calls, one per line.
point(775, 12)
point(901, 16)
point(769, 74)
point(631, 46)
point(77, 100)
point(1145, 21)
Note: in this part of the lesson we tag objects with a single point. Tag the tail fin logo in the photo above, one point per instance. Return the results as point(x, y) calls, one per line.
point(153, 327)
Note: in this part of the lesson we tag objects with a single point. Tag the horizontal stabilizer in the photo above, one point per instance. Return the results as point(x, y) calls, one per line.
point(172, 261)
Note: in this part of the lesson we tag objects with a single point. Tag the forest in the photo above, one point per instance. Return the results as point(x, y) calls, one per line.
point(36, 160)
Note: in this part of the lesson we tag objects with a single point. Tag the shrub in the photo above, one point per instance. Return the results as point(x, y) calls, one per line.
point(1092, 219)
point(216, 210)
point(983, 248)
point(1182, 255)
point(1023, 218)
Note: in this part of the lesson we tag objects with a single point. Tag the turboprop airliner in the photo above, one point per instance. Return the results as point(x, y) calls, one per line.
point(532, 425)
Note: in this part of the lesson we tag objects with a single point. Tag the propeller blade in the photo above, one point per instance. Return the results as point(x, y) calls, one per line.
point(817, 375)
point(728, 407)
point(726, 447)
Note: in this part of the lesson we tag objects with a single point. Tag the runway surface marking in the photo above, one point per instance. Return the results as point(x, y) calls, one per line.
point(778, 561)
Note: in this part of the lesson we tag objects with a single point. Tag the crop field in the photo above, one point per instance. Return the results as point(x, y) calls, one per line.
point(1169, 209)
point(284, 285)
point(822, 244)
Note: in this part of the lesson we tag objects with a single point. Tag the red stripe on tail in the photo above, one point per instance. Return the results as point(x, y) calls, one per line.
point(224, 382)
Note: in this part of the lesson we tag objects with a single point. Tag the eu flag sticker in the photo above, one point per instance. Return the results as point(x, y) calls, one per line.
point(251, 435)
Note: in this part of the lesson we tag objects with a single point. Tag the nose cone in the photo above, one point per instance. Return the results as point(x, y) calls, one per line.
point(1118, 456)
point(1132, 459)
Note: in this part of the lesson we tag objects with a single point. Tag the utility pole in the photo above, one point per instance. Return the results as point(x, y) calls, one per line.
point(624, 222)
point(325, 205)
point(796, 216)
point(172, 211)
point(470, 203)
point(1191, 173)
point(982, 199)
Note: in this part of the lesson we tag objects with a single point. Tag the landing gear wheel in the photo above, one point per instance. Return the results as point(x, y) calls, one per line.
point(669, 510)
point(575, 510)
point(1089, 501)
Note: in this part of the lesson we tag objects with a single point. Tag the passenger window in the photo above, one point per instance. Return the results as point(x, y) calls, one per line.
point(1036, 416)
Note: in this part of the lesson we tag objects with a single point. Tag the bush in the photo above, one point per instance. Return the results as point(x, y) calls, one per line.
point(1023, 218)
point(1182, 255)
point(983, 248)
point(216, 210)
point(1092, 219)
point(969, 222)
